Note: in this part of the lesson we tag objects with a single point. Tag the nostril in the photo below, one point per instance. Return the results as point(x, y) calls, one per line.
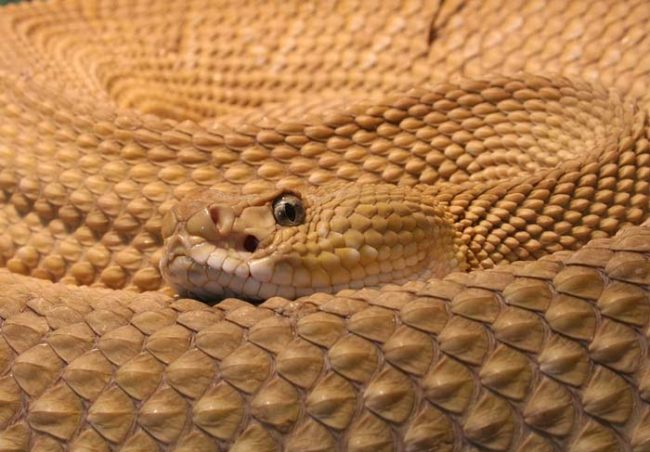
point(214, 215)
point(250, 243)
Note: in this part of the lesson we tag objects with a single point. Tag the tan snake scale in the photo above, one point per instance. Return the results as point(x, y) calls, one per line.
point(112, 111)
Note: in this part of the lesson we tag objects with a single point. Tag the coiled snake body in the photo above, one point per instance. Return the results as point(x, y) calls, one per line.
point(470, 248)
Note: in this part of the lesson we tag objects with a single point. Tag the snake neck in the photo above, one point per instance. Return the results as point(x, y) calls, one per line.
point(488, 225)
point(469, 228)
point(528, 218)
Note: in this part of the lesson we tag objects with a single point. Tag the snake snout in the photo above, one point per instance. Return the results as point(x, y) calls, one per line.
point(223, 220)
point(211, 242)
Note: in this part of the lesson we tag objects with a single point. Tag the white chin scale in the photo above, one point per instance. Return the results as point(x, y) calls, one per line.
point(211, 274)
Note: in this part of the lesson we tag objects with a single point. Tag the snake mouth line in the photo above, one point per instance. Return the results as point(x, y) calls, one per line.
point(211, 284)
point(211, 273)
point(225, 273)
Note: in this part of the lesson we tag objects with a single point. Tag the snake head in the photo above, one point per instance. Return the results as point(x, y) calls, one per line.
point(297, 242)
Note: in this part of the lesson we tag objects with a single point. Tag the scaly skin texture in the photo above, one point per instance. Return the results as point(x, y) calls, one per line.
point(358, 235)
point(352, 237)
point(112, 112)
point(544, 355)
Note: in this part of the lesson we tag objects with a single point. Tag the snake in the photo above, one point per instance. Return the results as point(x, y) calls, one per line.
point(325, 225)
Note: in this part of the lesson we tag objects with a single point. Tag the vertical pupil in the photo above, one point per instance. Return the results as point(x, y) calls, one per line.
point(290, 212)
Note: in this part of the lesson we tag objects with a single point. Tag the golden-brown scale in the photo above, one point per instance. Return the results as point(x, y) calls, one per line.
point(113, 110)
point(104, 198)
point(545, 355)
point(534, 206)
point(218, 245)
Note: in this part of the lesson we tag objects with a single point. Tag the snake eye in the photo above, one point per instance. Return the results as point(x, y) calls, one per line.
point(288, 210)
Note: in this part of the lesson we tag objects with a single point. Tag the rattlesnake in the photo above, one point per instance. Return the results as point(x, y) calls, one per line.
point(468, 184)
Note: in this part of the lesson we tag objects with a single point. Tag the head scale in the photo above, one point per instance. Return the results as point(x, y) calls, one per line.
point(293, 243)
